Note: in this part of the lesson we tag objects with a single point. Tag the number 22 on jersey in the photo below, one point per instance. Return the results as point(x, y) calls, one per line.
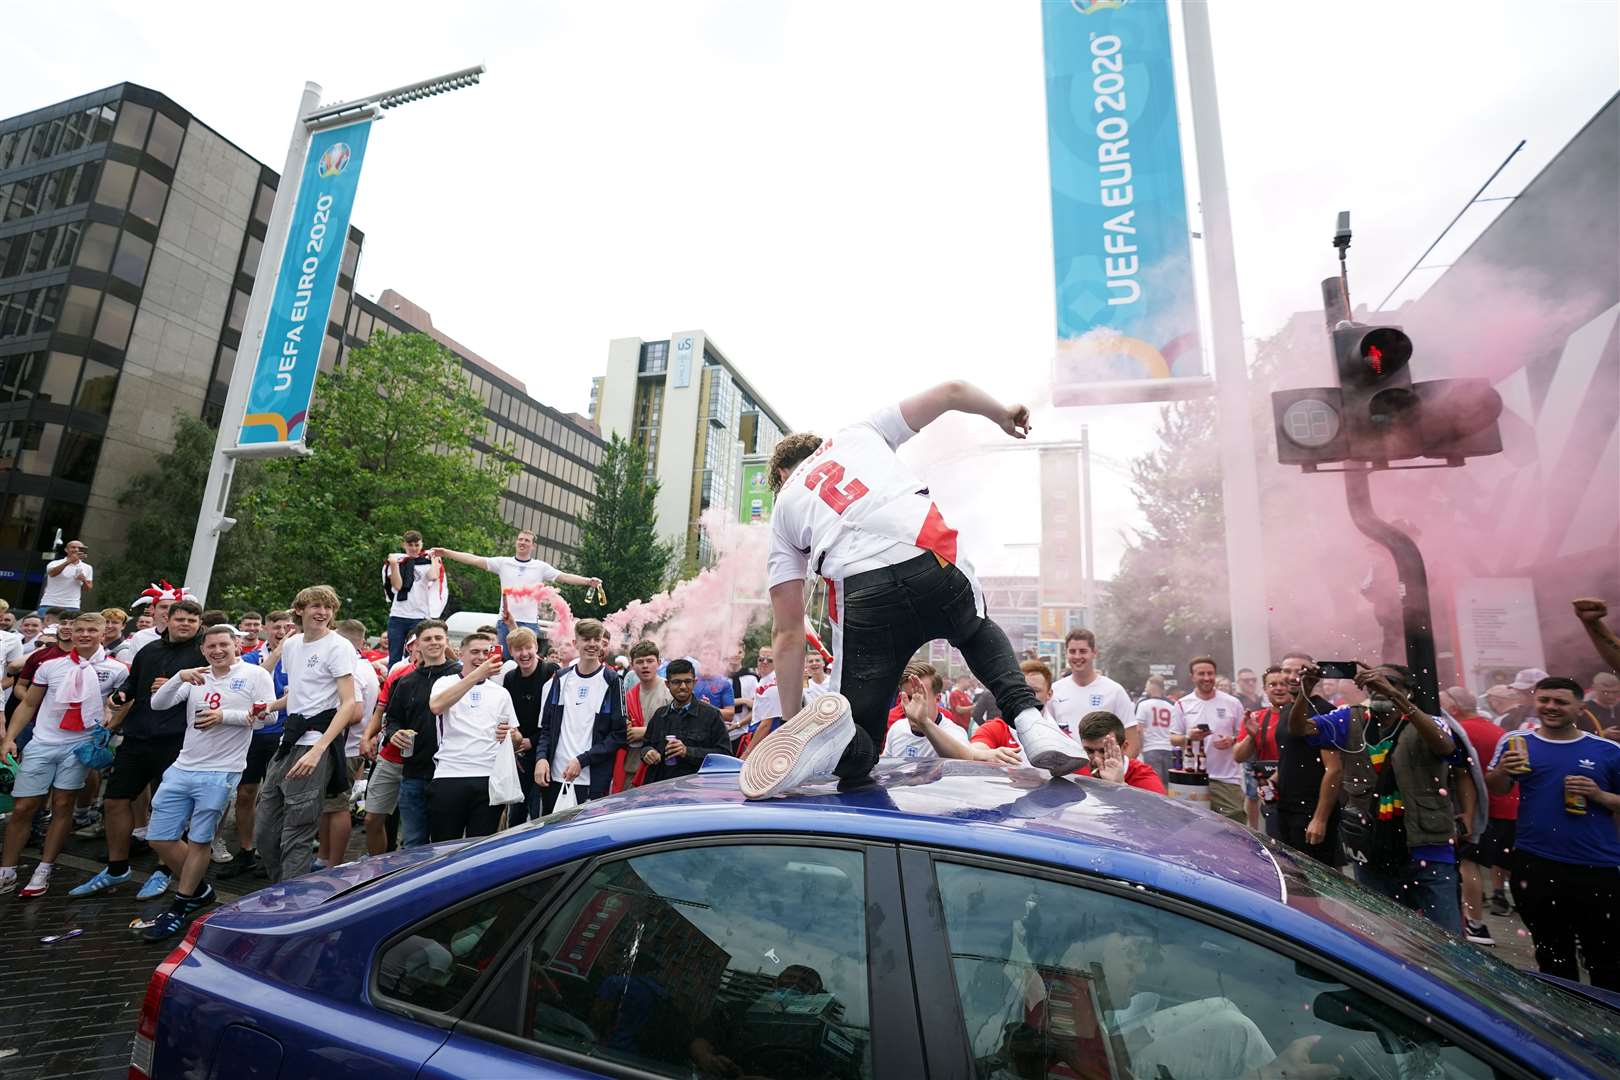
point(825, 479)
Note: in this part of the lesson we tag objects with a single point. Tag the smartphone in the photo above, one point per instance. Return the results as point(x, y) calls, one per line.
point(495, 652)
point(1337, 669)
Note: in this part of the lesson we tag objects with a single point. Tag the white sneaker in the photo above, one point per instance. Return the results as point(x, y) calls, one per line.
point(808, 745)
point(220, 851)
point(1045, 744)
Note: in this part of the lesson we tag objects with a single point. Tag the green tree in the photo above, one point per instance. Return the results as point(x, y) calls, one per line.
point(162, 504)
point(1168, 602)
point(391, 435)
point(618, 540)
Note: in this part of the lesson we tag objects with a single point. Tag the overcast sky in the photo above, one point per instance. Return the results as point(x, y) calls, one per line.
point(850, 198)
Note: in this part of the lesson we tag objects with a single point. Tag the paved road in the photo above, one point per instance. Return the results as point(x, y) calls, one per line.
point(68, 1009)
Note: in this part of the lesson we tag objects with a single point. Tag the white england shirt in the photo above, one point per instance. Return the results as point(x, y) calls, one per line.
point(853, 506)
point(520, 584)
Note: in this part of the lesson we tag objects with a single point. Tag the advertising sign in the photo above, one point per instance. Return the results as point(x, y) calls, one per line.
point(757, 498)
point(290, 354)
point(1498, 628)
point(681, 375)
point(1127, 311)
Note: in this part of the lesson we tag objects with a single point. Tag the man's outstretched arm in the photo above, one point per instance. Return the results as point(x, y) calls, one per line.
point(460, 557)
point(958, 396)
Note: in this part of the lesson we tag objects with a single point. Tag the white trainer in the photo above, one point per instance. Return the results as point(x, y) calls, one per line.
point(808, 745)
point(1045, 744)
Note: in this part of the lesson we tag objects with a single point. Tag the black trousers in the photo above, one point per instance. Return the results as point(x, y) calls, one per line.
point(889, 614)
point(458, 806)
point(1565, 905)
point(1288, 826)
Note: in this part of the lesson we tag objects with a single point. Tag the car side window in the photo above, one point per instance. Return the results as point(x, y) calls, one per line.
point(720, 960)
point(436, 963)
point(1060, 981)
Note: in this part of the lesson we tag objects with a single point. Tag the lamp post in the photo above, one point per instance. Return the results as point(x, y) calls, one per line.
point(212, 521)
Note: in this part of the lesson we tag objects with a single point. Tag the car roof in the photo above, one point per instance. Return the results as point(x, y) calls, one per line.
point(1019, 813)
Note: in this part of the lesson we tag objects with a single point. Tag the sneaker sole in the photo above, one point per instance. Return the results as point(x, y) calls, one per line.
point(1481, 940)
point(1057, 763)
point(771, 767)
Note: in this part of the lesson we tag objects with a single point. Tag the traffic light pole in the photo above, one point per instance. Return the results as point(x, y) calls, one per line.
point(1414, 583)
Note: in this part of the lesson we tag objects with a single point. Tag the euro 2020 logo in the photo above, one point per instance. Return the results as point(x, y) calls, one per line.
point(334, 161)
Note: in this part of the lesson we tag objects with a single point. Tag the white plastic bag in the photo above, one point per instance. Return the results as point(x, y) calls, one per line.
point(503, 782)
point(565, 799)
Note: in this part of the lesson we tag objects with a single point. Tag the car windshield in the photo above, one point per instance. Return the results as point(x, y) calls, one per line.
point(1493, 984)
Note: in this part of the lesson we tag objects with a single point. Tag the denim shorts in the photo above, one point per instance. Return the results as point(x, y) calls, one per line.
point(45, 766)
point(190, 802)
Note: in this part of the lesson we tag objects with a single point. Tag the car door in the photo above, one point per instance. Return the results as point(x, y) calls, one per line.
point(1042, 974)
point(723, 956)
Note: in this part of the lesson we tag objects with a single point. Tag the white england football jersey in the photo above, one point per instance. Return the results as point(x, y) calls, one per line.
point(853, 506)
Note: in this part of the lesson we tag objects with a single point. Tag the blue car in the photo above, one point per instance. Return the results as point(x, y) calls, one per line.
point(947, 920)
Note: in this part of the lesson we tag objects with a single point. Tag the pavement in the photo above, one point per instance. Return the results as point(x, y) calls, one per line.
point(69, 1008)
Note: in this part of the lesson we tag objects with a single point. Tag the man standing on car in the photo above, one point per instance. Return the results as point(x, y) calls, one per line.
point(848, 510)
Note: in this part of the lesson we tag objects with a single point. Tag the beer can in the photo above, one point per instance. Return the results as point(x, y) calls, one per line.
point(410, 740)
point(258, 709)
point(1519, 743)
point(1574, 803)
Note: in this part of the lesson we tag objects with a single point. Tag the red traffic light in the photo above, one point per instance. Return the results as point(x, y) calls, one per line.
point(1368, 355)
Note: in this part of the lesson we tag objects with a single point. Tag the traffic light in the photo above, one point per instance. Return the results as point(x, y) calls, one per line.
point(1380, 409)
point(1377, 414)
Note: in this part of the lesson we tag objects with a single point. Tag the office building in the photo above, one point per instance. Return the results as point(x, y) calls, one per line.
point(559, 451)
point(697, 417)
point(130, 233)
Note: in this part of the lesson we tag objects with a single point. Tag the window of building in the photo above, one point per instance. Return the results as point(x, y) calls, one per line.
point(66, 516)
point(117, 180)
point(31, 446)
point(251, 250)
point(19, 521)
point(263, 203)
point(52, 377)
point(238, 312)
point(105, 116)
point(114, 323)
point(96, 388)
point(79, 127)
point(133, 122)
point(78, 316)
point(654, 358)
point(351, 259)
point(150, 192)
point(165, 141)
point(9, 143)
point(80, 452)
point(133, 256)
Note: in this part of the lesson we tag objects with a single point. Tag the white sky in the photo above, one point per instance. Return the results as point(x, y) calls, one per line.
point(851, 198)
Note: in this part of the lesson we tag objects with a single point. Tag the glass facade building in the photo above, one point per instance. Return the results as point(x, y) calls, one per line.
point(130, 234)
point(697, 417)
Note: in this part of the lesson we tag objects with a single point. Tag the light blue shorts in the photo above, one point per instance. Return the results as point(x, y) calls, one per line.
point(190, 802)
point(45, 766)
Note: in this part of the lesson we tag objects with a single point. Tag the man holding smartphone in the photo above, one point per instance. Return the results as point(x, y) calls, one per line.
point(1214, 721)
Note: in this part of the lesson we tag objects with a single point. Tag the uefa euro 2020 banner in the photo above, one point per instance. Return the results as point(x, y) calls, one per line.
point(290, 354)
point(1127, 309)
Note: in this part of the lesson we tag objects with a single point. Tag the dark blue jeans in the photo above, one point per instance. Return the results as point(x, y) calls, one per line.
point(413, 812)
point(399, 628)
point(1427, 887)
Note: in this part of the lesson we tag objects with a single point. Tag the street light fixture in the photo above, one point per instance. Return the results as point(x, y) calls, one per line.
point(312, 117)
